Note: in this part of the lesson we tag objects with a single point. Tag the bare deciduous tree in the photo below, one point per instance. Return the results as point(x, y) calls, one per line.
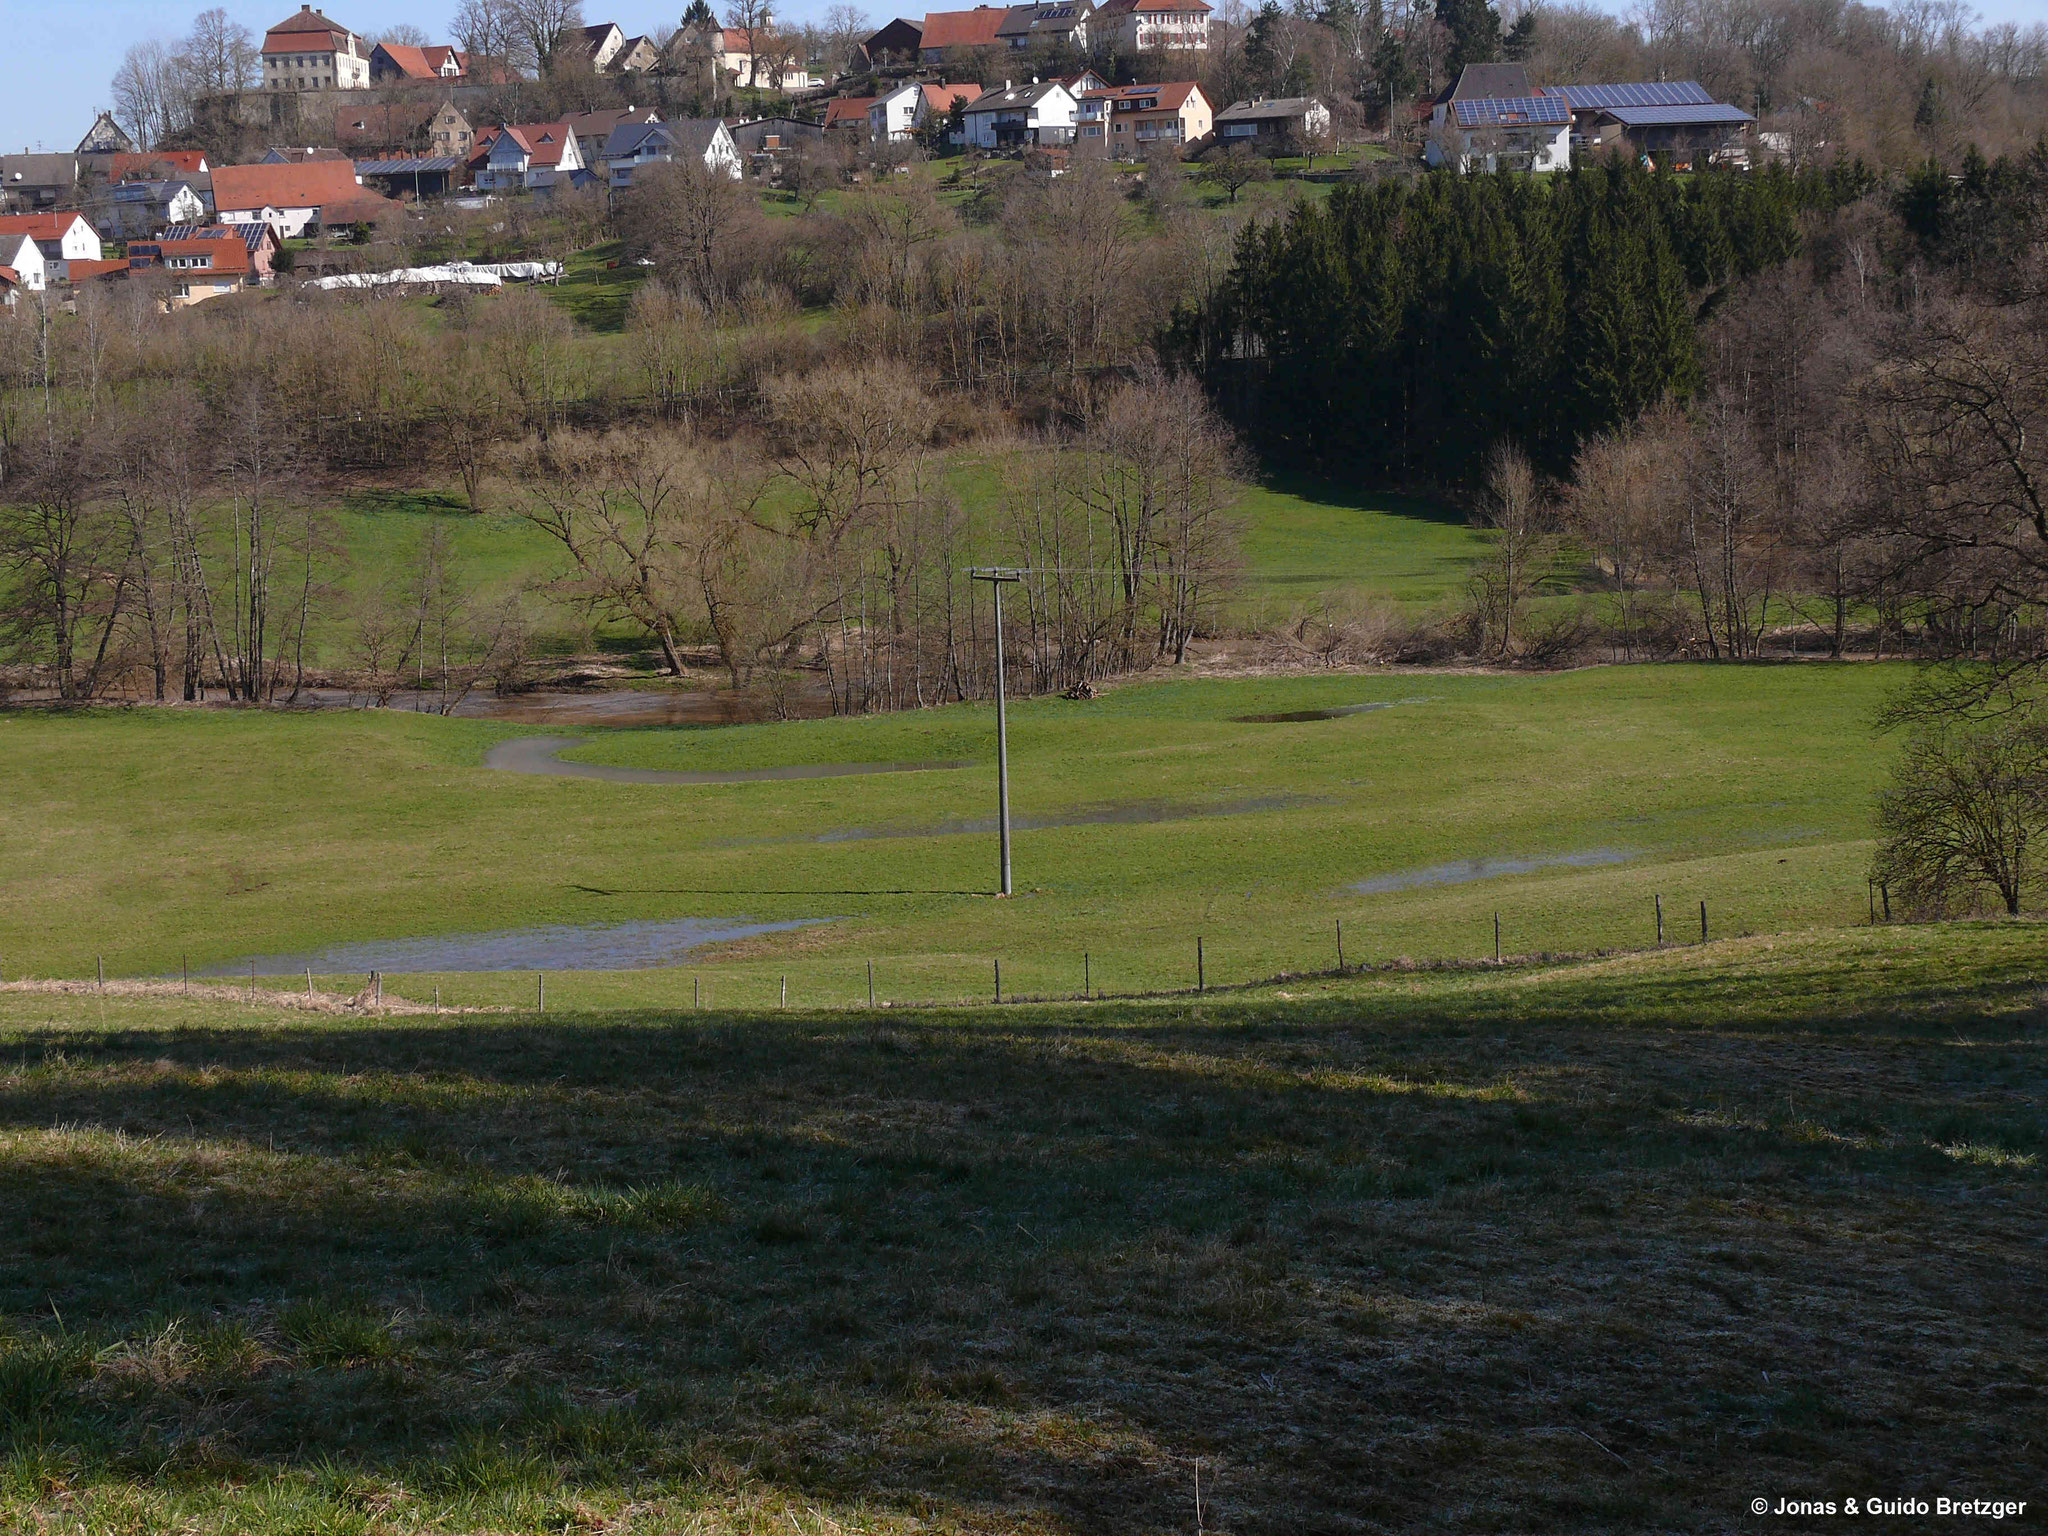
point(1967, 804)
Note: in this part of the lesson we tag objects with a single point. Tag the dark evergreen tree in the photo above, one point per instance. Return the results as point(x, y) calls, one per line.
point(1474, 26)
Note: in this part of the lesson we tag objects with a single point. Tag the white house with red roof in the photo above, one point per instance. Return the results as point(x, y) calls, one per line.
point(309, 52)
point(395, 63)
point(1152, 26)
point(290, 197)
point(906, 110)
point(527, 156)
point(53, 239)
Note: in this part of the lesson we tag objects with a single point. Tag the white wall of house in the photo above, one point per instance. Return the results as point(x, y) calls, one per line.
point(308, 70)
point(894, 116)
point(289, 223)
point(27, 260)
point(1516, 147)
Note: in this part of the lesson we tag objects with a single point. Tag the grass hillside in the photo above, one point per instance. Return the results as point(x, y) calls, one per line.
point(1158, 814)
point(1609, 1247)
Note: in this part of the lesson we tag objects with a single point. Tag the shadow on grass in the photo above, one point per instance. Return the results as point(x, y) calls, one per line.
point(1360, 495)
point(1372, 1259)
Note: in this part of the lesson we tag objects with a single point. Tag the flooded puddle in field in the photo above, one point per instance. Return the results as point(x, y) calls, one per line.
point(585, 706)
point(564, 947)
point(542, 755)
point(1130, 814)
point(1333, 712)
point(1296, 716)
point(1462, 871)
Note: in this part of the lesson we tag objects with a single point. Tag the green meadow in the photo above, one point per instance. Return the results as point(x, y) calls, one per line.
point(1152, 818)
point(1613, 1246)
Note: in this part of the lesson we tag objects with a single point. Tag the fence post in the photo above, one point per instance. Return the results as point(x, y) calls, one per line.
point(99, 968)
point(185, 968)
point(309, 983)
point(1703, 922)
point(1340, 945)
point(377, 988)
point(540, 993)
point(696, 992)
point(1496, 938)
point(252, 981)
point(871, 983)
point(1087, 980)
point(1660, 922)
point(1870, 890)
point(999, 981)
point(785, 991)
point(1201, 973)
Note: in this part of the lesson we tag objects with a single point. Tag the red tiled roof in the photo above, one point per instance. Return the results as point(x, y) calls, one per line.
point(543, 142)
point(1125, 7)
point(82, 271)
point(222, 255)
point(1172, 94)
point(963, 29)
point(40, 226)
point(189, 162)
point(841, 110)
point(9, 275)
point(310, 185)
point(308, 30)
point(412, 61)
point(940, 98)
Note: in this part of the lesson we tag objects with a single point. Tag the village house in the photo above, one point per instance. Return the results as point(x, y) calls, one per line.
point(202, 265)
point(307, 52)
point(771, 138)
point(637, 145)
point(30, 183)
point(1062, 24)
point(134, 210)
point(906, 110)
point(154, 165)
point(58, 239)
point(105, 137)
point(259, 240)
point(769, 61)
point(384, 129)
point(1274, 125)
point(530, 157)
point(401, 63)
point(849, 114)
point(949, 34)
point(21, 259)
point(596, 45)
point(1489, 133)
point(1677, 123)
point(1038, 115)
point(594, 130)
point(894, 46)
point(1125, 122)
point(290, 197)
point(1152, 26)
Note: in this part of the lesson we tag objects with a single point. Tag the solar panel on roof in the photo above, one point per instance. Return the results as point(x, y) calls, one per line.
point(1511, 109)
point(1645, 93)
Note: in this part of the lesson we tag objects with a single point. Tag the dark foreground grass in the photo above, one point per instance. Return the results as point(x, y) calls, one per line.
point(1607, 1248)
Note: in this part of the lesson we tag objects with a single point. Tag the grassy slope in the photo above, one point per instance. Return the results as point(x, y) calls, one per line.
point(147, 835)
point(1303, 542)
point(1608, 1248)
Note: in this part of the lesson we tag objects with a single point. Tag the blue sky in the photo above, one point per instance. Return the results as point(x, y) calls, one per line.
point(60, 54)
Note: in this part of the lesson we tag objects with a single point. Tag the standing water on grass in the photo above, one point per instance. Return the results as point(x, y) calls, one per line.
point(565, 947)
point(1460, 871)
